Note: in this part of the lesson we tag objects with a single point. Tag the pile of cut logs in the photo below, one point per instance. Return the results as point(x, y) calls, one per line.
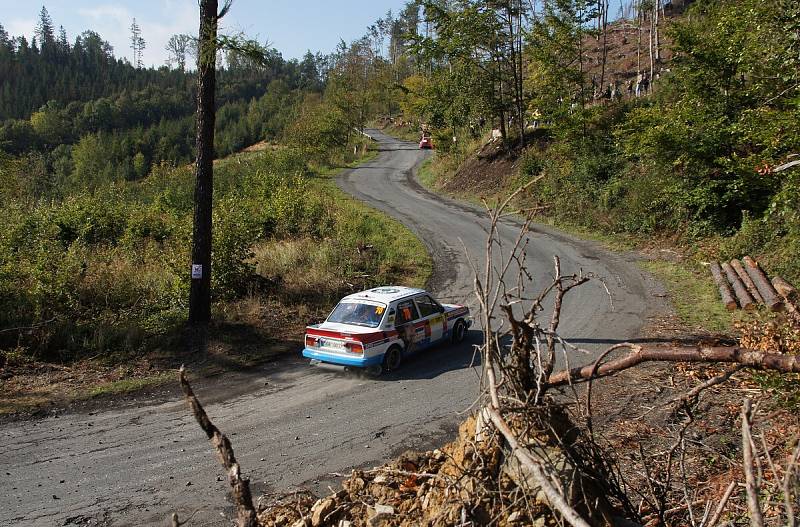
point(744, 284)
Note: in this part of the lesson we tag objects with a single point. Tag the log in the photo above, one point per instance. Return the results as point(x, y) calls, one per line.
point(768, 293)
point(788, 292)
point(744, 298)
point(748, 282)
point(724, 288)
point(786, 289)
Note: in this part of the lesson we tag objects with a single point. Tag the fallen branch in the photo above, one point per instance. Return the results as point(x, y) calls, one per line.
point(721, 506)
point(240, 487)
point(29, 328)
point(692, 394)
point(750, 358)
point(756, 516)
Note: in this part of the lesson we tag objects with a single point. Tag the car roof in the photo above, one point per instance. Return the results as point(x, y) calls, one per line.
point(387, 293)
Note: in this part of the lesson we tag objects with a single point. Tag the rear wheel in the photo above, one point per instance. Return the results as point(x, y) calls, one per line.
point(392, 358)
point(374, 371)
point(459, 332)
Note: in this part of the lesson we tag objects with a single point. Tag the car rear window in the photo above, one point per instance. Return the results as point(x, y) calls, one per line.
point(358, 314)
point(427, 306)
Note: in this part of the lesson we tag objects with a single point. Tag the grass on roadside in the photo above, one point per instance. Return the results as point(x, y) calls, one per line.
point(693, 295)
point(425, 175)
point(123, 386)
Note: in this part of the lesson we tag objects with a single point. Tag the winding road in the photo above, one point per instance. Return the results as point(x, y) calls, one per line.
point(291, 424)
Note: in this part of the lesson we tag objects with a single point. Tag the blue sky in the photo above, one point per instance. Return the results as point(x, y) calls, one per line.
point(291, 27)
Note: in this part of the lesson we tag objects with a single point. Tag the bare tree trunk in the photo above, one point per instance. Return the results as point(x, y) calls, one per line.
point(604, 26)
point(200, 292)
point(639, 39)
point(501, 111)
point(657, 43)
point(650, 46)
point(580, 65)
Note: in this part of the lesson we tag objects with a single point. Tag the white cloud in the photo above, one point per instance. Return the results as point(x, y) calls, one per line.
point(21, 26)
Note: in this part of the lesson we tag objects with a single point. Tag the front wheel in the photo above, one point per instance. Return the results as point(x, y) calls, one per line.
point(459, 332)
point(392, 358)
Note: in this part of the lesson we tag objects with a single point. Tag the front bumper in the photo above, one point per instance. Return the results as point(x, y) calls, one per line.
point(335, 358)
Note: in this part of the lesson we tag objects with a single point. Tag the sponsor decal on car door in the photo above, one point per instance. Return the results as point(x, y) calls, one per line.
point(437, 327)
point(431, 313)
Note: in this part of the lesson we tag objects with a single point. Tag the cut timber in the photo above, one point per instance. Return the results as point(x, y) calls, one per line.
point(744, 298)
point(724, 288)
point(768, 293)
point(748, 282)
point(788, 292)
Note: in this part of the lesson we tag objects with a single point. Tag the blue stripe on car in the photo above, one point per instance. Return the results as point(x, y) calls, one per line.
point(344, 361)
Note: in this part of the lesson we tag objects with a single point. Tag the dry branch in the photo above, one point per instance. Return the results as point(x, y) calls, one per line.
point(538, 472)
point(724, 288)
point(756, 516)
point(240, 487)
point(755, 359)
point(744, 298)
point(721, 506)
point(771, 298)
point(748, 282)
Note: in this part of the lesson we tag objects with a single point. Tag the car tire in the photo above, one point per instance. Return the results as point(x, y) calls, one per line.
point(392, 358)
point(459, 332)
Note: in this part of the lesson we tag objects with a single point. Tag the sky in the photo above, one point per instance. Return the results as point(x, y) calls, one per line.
point(291, 27)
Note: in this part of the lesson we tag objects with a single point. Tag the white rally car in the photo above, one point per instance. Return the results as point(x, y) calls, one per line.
point(376, 328)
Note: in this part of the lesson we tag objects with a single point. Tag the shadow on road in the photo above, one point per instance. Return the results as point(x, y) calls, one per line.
point(397, 146)
point(433, 362)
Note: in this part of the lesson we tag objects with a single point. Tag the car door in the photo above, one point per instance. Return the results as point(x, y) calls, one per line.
point(432, 315)
point(408, 324)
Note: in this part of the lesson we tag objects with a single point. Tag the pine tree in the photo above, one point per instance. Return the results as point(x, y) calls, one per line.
point(137, 44)
point(63, 44)
point(4, 37)
point(45, 32)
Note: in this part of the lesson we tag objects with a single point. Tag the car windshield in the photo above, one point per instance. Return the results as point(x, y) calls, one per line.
point(358, 314)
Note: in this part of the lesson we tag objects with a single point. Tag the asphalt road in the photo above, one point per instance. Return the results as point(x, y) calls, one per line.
point(291, 424)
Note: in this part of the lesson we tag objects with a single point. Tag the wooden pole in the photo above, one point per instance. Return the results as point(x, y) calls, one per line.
point(748, 282)
point(768, 293)
point(723, 286)
point(744, 298)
